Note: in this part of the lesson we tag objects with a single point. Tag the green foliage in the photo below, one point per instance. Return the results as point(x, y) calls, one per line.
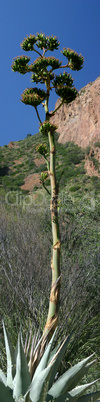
point(29, 135)
point(75, 188)
point(96, 162)
point(97, 144)
point(42, 386)
point(12, 183)
point(69, 161)
point(96, 183)
point(88, 150)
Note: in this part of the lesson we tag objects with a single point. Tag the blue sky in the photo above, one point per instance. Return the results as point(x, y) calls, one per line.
point(76, 23)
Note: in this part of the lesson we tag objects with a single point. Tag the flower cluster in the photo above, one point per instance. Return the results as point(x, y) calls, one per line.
point(20, 64)
point(66, 93)
point(41, 63)
point(46, 127)
point(63, 79)
point(47, 42)
point(75, 61)
point(42, 149)
point(33, 96)
point(28, 43)
point(43, 177)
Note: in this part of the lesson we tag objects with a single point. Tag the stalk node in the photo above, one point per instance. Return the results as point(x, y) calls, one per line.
point(57, 246)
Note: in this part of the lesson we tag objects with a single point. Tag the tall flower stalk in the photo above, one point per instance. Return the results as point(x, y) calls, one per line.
point(42, 70)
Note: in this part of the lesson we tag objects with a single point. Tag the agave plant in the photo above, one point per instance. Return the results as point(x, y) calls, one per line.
point(43, 387)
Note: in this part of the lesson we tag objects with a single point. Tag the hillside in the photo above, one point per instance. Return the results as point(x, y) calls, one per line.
point(21, 165)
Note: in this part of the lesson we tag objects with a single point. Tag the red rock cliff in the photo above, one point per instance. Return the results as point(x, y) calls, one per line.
point(79, 121)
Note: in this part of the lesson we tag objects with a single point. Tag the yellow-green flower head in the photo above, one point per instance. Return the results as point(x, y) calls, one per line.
point(33, 96)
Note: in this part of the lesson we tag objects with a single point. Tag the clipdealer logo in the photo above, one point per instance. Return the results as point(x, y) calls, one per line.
point(65, 200)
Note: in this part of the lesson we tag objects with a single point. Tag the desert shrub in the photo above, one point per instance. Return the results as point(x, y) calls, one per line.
point(96, 183)
point(41, 168)
point(12, 183)
point(87, 150)
point(75, 188)
point(95, 162)
point(23, 249)
point(29, 135)
point(97, 144)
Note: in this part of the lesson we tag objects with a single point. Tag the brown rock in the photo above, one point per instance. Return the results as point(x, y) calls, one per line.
point(79, 121)
point(31, 181)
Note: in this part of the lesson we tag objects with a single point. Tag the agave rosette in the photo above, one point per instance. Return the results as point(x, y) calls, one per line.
point(18, 385)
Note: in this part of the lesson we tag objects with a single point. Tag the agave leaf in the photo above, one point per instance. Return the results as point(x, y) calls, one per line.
point(65, 381)
point(44, 360)
point(83, 371)
point(5, 393)
point(62, 398)
point(27, 396)
point(3, 377)
point(39, 384)
point(36, 347)
point(10, 359)
point(76, 392)
point(59, 356)
point(93, 396)
point(54, 351)
point(22, 378)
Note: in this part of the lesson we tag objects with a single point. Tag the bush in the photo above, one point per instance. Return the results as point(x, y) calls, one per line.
point(97, 144)
point(96, 183)
point(75, 188)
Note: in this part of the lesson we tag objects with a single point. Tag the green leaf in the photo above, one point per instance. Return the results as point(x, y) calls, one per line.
point(60, 353)
point(3, 377)
point(39, 384)
point(64, 383)
point(54, 351)
point(10, 358)
point(82, 373)
point(22, 377)
point(5, 393)
point(76, 392)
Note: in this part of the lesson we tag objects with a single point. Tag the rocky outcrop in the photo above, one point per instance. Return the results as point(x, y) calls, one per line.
point(79, 121)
